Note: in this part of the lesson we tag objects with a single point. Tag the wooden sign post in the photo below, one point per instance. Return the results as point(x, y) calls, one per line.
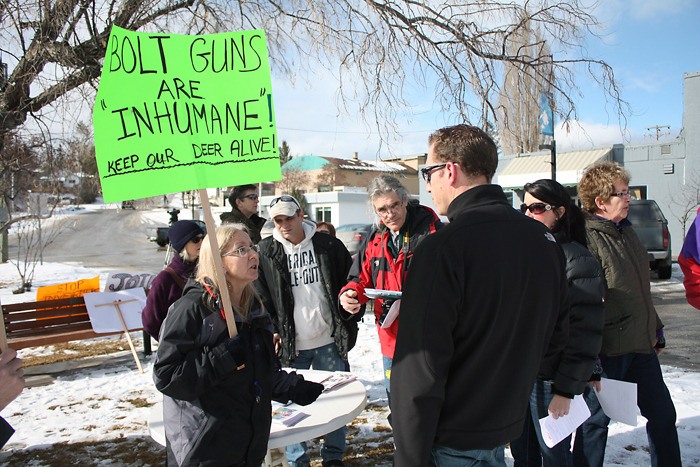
point(126, 329)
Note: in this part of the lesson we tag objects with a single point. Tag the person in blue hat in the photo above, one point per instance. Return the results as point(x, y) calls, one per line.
point(186, 239)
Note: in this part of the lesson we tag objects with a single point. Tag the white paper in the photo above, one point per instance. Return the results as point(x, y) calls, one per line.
point(553, 431)
point(619, 400)
point(392, 315)
point(103, 313)
point(377, 293)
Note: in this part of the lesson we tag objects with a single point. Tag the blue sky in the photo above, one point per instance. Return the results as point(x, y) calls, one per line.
point(649, 44)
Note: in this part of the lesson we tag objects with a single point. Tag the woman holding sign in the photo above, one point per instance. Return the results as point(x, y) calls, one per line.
point(217, 389)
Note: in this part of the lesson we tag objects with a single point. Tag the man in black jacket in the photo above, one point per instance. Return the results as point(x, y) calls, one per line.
point(244, 210)
point(300, 276)
point(483, 303)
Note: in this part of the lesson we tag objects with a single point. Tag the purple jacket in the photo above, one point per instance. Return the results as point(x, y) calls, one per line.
point(164, 292)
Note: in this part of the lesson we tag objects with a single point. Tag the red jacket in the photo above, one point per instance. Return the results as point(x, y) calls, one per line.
point(688, 260)
point(374, 267)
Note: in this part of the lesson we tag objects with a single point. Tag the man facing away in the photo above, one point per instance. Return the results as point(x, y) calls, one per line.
point(244, 210)
point(299, 278)
point(483, 303)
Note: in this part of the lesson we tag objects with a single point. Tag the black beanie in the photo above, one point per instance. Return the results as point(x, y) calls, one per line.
point(182, 232)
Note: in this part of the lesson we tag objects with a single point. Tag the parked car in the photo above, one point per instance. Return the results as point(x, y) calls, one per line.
point(652, 229)
point(352, 235)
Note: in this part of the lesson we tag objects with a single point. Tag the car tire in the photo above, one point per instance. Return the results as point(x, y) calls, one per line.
point(664, 271)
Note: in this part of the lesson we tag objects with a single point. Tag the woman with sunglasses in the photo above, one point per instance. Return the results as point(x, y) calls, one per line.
point(218, 389)
point(185, 239)
point(566, 374)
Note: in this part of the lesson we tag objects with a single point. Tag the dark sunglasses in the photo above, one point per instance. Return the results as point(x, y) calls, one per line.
point(252, 196)
point(286, 199)
point(197, 239)
point(427, 172)
point(536, 208)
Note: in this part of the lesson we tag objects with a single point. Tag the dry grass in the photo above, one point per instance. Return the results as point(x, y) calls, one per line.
point(79, 349)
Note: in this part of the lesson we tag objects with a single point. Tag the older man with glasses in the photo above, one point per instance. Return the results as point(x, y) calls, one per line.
point(384, 258)
point(244, 210)
point(299, 278)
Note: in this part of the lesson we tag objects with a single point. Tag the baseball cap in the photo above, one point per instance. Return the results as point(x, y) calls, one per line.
point(284, 205)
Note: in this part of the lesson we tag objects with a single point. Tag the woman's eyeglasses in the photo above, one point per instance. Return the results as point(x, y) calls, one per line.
point(251, 196)
point(536, 208)
point(197, 239)
point(622, 194)
point(243, 251)
point(286, 199)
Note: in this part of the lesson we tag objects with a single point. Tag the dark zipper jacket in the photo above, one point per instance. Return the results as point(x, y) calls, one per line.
point(275, 288)
point(631, 320)
point(484, 302)
point(254, 223)
point(215, 414)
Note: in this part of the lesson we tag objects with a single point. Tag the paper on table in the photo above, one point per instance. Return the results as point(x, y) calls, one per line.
point(553, 431)
point(392, 315)
point(377, 293)
point(618, 400)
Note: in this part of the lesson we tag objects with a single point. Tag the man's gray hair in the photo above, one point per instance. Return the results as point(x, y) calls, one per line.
point(384, 184)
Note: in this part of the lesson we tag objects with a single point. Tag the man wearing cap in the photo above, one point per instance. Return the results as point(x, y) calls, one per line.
point(244, 210)
point(186, 239)
point(299, 278)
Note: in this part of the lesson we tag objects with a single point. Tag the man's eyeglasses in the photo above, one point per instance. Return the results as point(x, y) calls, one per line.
point(197, 239)
point(286, 199)
point(427, 172)
point(536, 208)
point(243, 251)
point(387, 210)
point(251, 196)
point(622, 194)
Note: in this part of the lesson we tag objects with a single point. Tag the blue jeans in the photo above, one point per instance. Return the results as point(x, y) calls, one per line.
point(442, 456)
point(654, 403)
point(529, 449)
point(333, 448)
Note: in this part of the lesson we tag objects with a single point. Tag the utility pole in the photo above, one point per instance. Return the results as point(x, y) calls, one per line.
point(657, 130)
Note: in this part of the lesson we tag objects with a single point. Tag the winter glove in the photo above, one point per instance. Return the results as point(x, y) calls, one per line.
point(660, 339)
point(234, 346)
point(305, 392)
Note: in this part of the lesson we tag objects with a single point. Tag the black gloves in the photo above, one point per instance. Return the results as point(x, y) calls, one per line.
point(305, 392)
point(235, 347)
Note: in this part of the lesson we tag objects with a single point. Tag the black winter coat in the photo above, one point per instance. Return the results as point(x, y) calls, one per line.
point(572, 367)
point(275, 288)
point(213, 413)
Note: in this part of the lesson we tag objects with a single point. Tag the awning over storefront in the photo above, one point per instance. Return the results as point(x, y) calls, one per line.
point(570, 167)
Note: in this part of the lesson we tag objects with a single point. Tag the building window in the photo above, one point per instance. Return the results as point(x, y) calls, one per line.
point(669, 169)
point(323, 214)
point(666, 150)
point(324, 188)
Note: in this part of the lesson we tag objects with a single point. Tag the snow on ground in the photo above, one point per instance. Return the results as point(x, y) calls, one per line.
point(108, 402)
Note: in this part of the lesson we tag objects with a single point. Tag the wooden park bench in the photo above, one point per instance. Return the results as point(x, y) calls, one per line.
point(34, 324)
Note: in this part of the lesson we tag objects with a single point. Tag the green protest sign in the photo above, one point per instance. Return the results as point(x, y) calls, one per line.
point(177, 113)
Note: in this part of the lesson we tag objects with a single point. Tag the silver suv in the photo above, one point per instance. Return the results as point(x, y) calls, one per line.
point(652, 229)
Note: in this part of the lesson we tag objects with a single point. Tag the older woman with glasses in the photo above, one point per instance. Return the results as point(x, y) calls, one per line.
point(563, 375)
point(218, 389)
point(186, 240)
point(633, 332)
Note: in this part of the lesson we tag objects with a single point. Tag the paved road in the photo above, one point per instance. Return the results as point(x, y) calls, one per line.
point(681, 326)
point(109, 238)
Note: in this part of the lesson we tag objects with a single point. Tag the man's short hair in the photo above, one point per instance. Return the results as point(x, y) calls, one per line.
point(599, 181)
point(238, 192)
point(468, 146)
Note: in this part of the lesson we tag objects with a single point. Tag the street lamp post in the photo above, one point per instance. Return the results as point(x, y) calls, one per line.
point(553, 160)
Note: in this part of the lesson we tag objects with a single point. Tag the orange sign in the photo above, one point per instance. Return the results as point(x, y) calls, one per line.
point(68, 290)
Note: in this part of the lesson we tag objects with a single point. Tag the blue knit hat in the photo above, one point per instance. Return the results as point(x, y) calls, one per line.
point(182, 232)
